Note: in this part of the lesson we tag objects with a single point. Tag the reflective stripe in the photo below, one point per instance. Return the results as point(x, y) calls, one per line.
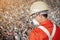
point(54, 30)
point(47, 32)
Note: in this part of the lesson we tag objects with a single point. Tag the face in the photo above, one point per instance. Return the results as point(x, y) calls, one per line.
point(38, 17)
point(34, 18)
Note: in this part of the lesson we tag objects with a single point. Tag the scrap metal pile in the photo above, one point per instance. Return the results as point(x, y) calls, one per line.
point(14, 17)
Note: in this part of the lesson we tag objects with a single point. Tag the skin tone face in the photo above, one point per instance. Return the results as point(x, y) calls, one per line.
point(40, 18)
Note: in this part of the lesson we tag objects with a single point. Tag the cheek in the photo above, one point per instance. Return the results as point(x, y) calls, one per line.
point(37, 18)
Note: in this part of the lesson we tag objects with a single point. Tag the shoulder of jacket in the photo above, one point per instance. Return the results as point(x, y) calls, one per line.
point(36, 30)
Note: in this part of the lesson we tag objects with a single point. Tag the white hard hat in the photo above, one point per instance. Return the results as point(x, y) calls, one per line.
point(38, 6)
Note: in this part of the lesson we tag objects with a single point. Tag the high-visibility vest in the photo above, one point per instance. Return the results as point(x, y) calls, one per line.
point(47, 32)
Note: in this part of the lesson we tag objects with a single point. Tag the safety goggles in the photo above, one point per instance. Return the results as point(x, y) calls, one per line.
point(34, 15)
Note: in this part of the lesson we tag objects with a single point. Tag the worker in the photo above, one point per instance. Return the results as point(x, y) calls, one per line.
point(46, 29)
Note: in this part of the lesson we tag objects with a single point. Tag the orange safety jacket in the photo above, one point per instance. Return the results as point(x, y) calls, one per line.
point(38, 34)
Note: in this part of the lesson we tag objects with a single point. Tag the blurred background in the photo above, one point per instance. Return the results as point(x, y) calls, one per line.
point(15, 23)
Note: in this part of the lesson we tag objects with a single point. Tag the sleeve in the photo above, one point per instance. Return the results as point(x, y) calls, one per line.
point(58, 32)
point(32, 36)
